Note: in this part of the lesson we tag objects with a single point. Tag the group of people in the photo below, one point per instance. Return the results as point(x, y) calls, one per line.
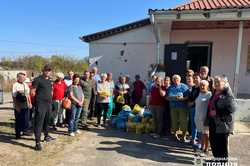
point(69, 101)
point(200, 109)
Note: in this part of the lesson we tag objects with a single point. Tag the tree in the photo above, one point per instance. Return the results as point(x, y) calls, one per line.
point(36, 62)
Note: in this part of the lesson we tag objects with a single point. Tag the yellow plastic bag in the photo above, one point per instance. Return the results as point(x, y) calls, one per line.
point(137, 108)
point(104, 93)
point(126, 107)
point(120, 99)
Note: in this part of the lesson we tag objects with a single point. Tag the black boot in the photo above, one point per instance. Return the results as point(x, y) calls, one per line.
point(38, 146)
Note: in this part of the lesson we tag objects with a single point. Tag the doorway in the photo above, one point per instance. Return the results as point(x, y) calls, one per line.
point(198, 55)
point(180, 57)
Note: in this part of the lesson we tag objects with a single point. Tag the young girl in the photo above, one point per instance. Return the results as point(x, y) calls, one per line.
point(201, 105)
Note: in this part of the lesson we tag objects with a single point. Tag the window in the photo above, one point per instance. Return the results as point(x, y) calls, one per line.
point(248, 59)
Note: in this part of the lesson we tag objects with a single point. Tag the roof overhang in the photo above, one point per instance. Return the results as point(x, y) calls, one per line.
point(116, 30)
point(199, 15)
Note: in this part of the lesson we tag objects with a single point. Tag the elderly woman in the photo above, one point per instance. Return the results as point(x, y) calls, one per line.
point(103, 94)
point(220, 117)
point(122, 91)
point(77, 99)
point(177, 94)
point(59, 88)
point(201, 104)
point(157, 106)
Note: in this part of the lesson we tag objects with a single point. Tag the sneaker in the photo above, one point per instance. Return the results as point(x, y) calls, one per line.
point(48, 138)
point(78, 132)
point(72, 134)
point(202, 154)
point(185, 140)
point(38, 147)
point(177, 137)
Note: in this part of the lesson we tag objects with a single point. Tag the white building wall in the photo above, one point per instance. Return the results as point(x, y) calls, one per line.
point(244, 76)
point(139, 48)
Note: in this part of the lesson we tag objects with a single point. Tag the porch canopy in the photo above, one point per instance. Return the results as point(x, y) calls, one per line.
point(204, 10)
point(206, 14)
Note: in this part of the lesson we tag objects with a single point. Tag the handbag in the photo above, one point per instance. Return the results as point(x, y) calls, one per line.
point(66, 103)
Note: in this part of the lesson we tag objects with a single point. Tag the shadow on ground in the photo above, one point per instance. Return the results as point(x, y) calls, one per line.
point(7, 124)
point(6, 108)
point(145, 147)
point(9, 138)
point(6, 135)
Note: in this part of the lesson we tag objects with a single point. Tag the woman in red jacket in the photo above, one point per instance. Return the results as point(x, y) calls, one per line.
point(59, 88)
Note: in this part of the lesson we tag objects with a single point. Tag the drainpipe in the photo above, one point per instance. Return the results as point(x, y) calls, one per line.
point(157, 37)
point(238, 56)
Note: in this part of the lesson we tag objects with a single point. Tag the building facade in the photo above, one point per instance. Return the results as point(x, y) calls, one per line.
point(198, 33)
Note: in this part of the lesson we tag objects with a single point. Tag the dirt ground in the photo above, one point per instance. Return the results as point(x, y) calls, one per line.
point(104, 147)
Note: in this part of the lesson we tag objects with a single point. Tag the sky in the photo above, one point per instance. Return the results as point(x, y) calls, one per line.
point(48, 27)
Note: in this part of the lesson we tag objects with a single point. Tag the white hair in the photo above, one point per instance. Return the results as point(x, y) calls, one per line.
point(60, 75)
point(221, 78)
point(104, 75)
point(204, 82)
point(205, 67)
point(176, 76)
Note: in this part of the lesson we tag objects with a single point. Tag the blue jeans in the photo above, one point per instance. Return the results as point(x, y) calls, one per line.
point(193, 127)
point(75, 115)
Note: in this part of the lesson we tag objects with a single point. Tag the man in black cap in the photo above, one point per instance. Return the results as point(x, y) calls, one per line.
point(42, 90)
